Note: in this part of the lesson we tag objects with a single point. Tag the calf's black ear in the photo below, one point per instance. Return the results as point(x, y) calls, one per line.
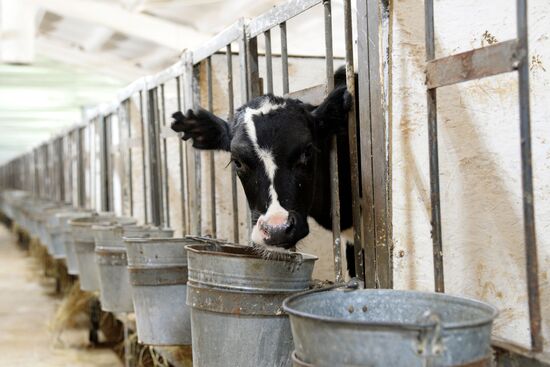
point(331, 116)
point(207, 130)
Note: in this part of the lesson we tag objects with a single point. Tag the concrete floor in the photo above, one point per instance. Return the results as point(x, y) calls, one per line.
point(27, 305)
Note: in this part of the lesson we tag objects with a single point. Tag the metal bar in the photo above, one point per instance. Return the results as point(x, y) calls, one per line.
point(154, 156)
point(211, 155)
point(365, 131)
point(352, 135)
point(284, 57)
point(379, 143)
point(279, 14)
point(334, 179)
point(184, 225)
point(36, 173)
point(527, 180)
point(143, 158)
point(231, 107)
point(434, 157)
point(104, 164)
point(80, 169)
point(253, 68)
point(221, 40)
point(243, 55)
point(195, 97)
point(166, 187)
point(475, 64)
point(243, 70)
point(193, 163)
point(268, 61)
point(127, 108)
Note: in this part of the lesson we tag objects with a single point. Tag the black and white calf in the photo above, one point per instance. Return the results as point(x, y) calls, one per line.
point(280, 149)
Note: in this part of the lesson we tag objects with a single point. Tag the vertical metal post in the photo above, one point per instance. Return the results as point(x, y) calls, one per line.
point(166, 186)
point(352, 134)
point(284, 57)
point(527, 180)
point(253, 69)
point(211, 155)
point(334, 179)
point(268, 61)
point(128, 118)
point(61, 171)
point(36, 173)
point(365, 123)
point(81, 182)
point(231, 107)
point(184, 188)
point(434, 157)
point(104, 163)
point(143, 157)
point(195, 96)
point(154, 157)
point(243, 68)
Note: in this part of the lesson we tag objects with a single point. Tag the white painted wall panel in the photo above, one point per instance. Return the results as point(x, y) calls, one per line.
point(479, 161)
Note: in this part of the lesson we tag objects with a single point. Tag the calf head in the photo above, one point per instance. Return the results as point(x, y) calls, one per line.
point(274, 144)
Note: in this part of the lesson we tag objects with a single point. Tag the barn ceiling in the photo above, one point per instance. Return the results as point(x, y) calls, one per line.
point(57, 56)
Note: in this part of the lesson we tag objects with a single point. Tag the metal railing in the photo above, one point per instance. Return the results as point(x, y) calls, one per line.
point(141, 111)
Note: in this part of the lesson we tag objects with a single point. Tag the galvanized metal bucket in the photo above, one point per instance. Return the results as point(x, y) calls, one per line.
point(158, 275)
point(112, 262)
point(67, 237)
point(57, 226)
point(84, 246)
point(236, 298)
point(382, 327)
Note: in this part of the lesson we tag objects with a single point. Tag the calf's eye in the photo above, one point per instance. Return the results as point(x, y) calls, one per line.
point(238, 164)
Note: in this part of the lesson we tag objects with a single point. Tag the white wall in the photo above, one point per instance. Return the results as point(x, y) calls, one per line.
point(479, 151)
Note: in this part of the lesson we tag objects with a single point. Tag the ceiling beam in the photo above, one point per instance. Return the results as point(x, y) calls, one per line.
point(98, 39)
point(17, 31)
point(102, 62)
point(162, 32)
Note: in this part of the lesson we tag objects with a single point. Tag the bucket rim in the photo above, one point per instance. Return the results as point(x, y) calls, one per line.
point(102, 218)
point(197, 249)
point(489, 318)
point(153, 239)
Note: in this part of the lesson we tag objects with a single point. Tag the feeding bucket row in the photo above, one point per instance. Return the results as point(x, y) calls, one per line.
point(158, 275)
point(114, 281)
point(379, 328)
point(236, 299)
point(84, 246)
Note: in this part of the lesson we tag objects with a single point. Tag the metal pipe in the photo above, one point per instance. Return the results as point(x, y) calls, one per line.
point(527, 180)
point(334, 179)
point(211, 153)
point(127, 108)
point(268, 61)
point(352, 135)
point(231, 107)
point(166, 186)
point(143, 158)
point(284, 57)
point(434, 157)
point(184, 196)
point(198, 158)
point(80, 169)
point(154, 157)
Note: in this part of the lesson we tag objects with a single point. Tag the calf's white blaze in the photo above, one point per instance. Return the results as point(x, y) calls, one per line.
point(275, 212)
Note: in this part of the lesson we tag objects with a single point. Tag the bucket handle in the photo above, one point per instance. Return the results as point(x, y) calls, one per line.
point(430, 343)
